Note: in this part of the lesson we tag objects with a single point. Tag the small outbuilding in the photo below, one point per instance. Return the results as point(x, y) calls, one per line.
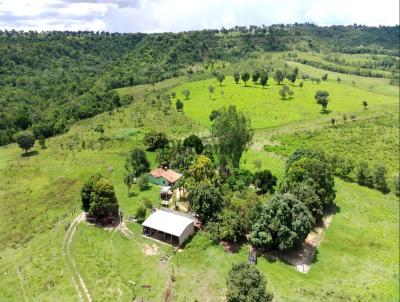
point(164, 177)
point(169, 226)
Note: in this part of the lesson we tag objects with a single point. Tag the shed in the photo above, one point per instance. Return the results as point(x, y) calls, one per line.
point(169, 226)
point(163, 177)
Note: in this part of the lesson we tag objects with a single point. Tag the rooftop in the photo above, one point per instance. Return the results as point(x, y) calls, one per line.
point(168, 222)
point(168, 174)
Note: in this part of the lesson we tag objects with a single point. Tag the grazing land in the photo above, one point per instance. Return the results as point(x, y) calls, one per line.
point(266, 107)
point(48, 252)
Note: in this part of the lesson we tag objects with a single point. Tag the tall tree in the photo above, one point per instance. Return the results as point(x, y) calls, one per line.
point(136, 164)
point(211, 90)
point(379, 174)
point(186, 93)
point(206, 201)
point(193, 141)
point(179, 105)
point(98, 198)
point(232, 134)
point(283, 224)
point(255, 76)
point(245, 77)
point(220, 78)
point(245, 283)
point(264, 79)
point(236, 76)
point(322, 98)
point(279, 76)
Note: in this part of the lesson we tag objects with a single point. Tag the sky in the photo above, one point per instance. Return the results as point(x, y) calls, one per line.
point(180, 15)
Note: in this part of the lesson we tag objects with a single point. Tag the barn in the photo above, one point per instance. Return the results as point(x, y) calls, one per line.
point(169, 226)
point(163, 177)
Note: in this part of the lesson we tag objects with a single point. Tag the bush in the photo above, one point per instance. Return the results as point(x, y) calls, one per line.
point(140, 214)
point(364, 176)
point(143, 182)
point(264, 181)
point(379, 177)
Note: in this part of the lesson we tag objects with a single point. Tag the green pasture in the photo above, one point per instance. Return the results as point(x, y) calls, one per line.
point(265, 106)
point(40, 196)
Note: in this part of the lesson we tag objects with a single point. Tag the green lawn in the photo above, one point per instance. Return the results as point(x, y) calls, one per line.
point(267, 109)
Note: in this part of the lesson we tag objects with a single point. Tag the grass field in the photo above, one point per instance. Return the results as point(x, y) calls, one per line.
point(374, 139)
point(39, 197)
point(267, 109)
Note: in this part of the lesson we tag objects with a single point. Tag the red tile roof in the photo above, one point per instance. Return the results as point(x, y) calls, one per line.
point(169, 175)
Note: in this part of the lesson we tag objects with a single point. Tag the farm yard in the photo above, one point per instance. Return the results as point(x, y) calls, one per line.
point(49, 251)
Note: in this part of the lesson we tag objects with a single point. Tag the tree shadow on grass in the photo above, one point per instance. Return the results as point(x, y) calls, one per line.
point(29, 154)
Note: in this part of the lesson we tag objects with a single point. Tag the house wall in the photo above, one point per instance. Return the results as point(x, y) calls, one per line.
point(160, 181)
point(186, 233)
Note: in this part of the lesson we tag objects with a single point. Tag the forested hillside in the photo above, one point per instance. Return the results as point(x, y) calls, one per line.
point(50, 80)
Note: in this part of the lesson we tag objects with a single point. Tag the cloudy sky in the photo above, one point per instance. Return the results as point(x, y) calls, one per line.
point(180, 15)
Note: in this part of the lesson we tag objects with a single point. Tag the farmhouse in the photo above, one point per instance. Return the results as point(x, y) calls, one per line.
point(169, 226)
point(163, 177)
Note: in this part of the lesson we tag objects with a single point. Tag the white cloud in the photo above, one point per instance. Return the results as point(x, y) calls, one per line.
point(180, 15)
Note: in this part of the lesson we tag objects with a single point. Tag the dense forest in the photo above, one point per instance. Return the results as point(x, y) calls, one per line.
point(49, 80)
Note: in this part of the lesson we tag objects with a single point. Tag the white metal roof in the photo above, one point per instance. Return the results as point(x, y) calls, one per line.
point(168, 222)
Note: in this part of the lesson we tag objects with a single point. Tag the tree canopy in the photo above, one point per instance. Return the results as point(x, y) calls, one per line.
point(155, 140)
point(193, 141)
point(206, 201)
point(98, 198)
point(25, 140)
point(283, 224)
point(232, 133)
point(245, 283)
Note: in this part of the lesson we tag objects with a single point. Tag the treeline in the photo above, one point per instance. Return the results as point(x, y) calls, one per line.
point(343, 68)
point(49, 80)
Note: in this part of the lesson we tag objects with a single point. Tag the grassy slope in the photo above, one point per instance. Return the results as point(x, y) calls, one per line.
point(267, 109)
point(357, 259)
point(373, 139)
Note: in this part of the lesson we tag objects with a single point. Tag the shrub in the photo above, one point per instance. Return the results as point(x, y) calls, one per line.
point(141, 213)
point(143, 182)
point(364, 176)
point(264, 181)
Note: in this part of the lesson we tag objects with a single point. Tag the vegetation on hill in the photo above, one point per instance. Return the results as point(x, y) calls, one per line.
point(50, 80)
point(254, 199)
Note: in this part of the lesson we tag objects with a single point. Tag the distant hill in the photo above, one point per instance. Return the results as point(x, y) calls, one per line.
point(49, 80)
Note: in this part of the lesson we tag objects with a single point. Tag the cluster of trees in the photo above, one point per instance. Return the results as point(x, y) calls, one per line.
point(342, 68)
point(305, 194)
point(361, 173)
point(52, 79)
